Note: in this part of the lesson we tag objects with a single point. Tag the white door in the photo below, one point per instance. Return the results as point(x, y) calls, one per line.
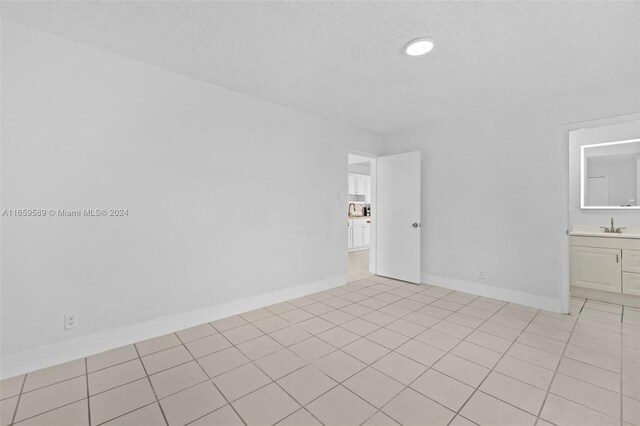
point(399, 217)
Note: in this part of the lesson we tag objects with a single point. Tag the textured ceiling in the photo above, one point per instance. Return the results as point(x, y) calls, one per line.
point(344, 61)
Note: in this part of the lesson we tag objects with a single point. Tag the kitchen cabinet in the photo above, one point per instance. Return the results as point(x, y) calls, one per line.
point(359, 234)
point(353, 184)
point(360, 185)
point(367, 190)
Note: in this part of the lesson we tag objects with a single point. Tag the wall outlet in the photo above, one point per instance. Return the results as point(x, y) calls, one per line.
point(482, 274)
point(70, 320)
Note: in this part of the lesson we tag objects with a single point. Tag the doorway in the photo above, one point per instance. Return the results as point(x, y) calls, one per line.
point(587, 203)
point(361, 235)
point(384, 215)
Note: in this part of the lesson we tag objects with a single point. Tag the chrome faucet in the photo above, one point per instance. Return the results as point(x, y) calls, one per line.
point(613, 229)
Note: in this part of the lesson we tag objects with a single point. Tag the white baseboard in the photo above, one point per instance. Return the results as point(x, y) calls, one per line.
point(17, 363)
point(606, 296)
point(538, 302)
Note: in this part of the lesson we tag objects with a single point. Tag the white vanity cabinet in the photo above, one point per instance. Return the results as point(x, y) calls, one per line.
point(605, 268)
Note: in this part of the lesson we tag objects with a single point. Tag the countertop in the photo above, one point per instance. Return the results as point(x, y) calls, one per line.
point(368, 218)
point(596, 231)
point(604, 235)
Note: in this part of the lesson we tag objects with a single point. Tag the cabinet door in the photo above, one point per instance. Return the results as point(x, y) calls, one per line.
point(367, 234)
point(358, 235)
point(367, 190)
point(631, 283)
point(353, 184)
point(350, 236)
point(631, 261)
point(596, 268)
point(360, 185)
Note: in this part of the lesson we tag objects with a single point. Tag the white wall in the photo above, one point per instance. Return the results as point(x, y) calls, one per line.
point(492, 193)
point(360, 169)
point(214, 210)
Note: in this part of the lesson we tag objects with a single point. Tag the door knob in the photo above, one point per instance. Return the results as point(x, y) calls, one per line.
point(415, 225)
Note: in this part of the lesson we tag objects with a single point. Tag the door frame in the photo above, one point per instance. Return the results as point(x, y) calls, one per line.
point(374, 196)
point(565, 290)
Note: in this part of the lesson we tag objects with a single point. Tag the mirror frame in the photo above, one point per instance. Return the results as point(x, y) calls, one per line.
point(582, 183)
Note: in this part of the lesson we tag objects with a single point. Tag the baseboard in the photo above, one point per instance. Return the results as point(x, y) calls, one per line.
point(538, 302)
point(606, 296)
point(17, 363)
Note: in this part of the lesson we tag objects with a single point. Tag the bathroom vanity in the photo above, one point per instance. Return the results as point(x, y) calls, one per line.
point(604, 182)
point(605, 265)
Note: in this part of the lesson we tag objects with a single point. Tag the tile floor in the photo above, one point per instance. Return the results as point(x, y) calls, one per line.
point(375, 351)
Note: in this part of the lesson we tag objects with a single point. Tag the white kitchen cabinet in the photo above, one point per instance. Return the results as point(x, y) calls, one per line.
point(367, 190)
point(359, 185)
point(353, 184)
point(367, 234)
point(596, 268)
point(359, 234)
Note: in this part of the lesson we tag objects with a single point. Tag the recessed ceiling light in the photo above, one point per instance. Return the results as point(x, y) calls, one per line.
point(419, 46)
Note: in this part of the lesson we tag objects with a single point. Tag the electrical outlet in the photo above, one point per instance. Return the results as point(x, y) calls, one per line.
point(70, 320)
point(482, 274)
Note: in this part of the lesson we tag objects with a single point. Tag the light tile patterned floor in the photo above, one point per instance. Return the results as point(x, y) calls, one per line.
point(375, 351)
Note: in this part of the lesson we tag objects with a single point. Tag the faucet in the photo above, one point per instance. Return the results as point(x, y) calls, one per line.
point(349, 208)
point(613, 229)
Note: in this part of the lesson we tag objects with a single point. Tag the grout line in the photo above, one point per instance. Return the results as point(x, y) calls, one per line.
point(151, 385)
point(553, 378)
point(492, 369)
point(128, 412)
point(428, 367)
point(15, 411)
point(312, 362)
point(353, 288)
point(48, 411)
point(621, 368)
point(210, 379)
point(584, 303)
point(86, 370)
point(54, 383)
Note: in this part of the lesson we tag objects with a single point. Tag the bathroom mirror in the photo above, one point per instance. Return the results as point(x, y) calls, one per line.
point(610, 175)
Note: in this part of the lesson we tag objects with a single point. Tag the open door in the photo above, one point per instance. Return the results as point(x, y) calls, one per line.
point(399, 217)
